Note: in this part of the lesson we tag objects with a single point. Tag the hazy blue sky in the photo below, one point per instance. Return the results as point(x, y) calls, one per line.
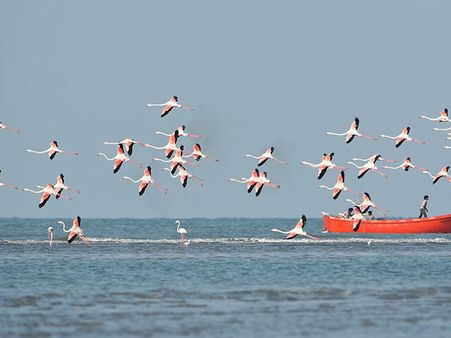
point(258, 74)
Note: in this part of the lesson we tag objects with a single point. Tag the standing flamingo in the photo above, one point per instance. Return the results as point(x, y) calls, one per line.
point(298, 230)
point(47, 191)
point(145, 180)
point(365, 205)
point(182, 132)
point(326, 162)
point(443, 173)
point(370, 165)
point(251, 181)
point(60, 186)
point(442, 118)
point(182, 232)
point(404, 136)
point(128, 143)
point(406, 165)
point(176, 160)
point(352, 132)
point(6, 127)
point(197, 154)
point(75, 231)
point(52, 150)
point(170, 147)
point(119, 159)
point(338, 187)
point(184, 175)
point(168, 106)
point(50, 235)
point(268, 154)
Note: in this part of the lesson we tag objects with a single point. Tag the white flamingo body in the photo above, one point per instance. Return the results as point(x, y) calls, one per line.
point(404, 136)
point(443, 117)
point(52, 151)
point(298, 230)
point(168, 106)
point(182, 232)
point(352, 132)
point(326, 163)
point(267, 155)
point(145, 180)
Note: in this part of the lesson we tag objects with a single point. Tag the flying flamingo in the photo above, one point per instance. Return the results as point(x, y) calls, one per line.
point(176, 160)
point(262, 181)
point(119, 159)
point(338, 187)
point(442, 118)
point(168, 106)
point(197, 154)
point(442, 173)
point(298, 230)
point(251, 181)
point(184, 175)
point(75, 231)
point(47, 191)
point(182, 132)
point(404, 136)
point(128, 143)
point(145, 180)
point(4, 126)
point(50, 235)
point(326, 162)
point(366, 204)
point(356, 219)
point(352, 132)
point(182, 232)
point(266, 156)
point(406, 165)
point(170, 147)
point(60, 186)
point(52, 151)
point(370, 165)
point(2, 184)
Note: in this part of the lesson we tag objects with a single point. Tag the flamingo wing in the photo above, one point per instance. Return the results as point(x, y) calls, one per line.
point(72, 235)
point(335, 193)
point(258, 189)
point(322, 171)
point(44, 198)
point(142, 188)
point(168, 153)
point(399, 141)
point(250, 186)
point(117, 165)
point(356, 224)
point(184, 180)
point(349, 138)
point(52, 154)
point(362, 172)
point(262, 161)
point(166, 110)
point(291, 235)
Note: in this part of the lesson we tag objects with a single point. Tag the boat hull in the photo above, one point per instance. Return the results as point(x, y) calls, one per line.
point(437, 224)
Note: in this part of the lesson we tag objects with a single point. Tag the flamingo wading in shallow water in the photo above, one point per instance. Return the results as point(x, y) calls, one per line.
point(404, 136)
point(182, 232)
point(298, 230)
point(144, 181)
point(168, 106)
point(267, 155)
point(352, 132)
point(52, 150)
point(326, 162)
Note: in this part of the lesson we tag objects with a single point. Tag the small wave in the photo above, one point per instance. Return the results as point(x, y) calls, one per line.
point(244, 240)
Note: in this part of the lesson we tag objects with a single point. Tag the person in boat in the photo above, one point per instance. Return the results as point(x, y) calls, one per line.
point(424, 207)
point(348, 214)
point(370, 216)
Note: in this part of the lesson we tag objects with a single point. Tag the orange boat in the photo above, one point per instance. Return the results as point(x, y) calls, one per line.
point(437, 224)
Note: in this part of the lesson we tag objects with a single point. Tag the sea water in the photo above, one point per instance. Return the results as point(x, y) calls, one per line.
point(236, 278)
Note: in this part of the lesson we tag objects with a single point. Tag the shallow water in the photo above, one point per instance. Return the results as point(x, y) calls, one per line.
point(235, 278)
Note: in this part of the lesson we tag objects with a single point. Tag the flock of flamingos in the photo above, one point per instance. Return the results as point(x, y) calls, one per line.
point(174, 156)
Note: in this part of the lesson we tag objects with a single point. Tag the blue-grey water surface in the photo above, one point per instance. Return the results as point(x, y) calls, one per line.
point(236, 278)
